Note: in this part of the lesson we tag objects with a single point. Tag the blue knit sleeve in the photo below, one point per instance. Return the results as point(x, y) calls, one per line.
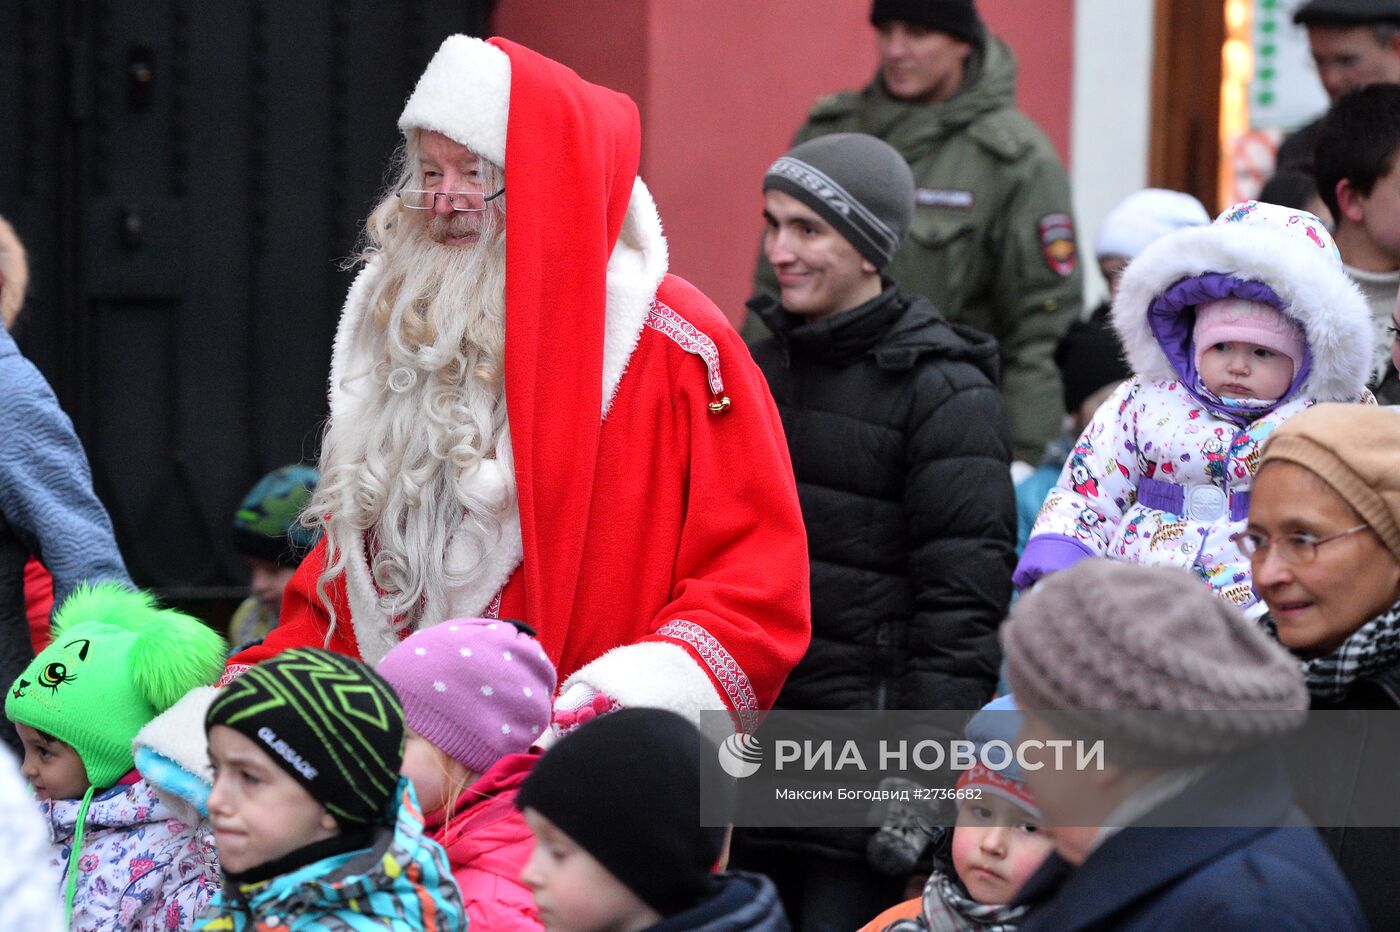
point(46, 493)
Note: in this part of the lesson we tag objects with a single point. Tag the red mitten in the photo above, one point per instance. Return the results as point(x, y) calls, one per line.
point(577, 704)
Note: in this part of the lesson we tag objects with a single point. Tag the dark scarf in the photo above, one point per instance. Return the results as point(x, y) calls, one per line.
point(248, 881)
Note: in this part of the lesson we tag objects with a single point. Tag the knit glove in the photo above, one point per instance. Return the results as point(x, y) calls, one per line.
point(577, 704)
point(907, 828)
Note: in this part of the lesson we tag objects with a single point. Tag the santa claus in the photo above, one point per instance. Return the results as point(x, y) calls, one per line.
point(531, 419)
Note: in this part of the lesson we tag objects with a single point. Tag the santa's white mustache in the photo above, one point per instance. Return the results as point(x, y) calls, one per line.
point(442, 228)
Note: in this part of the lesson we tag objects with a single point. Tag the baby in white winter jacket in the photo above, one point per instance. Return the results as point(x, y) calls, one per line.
point(1230, 330)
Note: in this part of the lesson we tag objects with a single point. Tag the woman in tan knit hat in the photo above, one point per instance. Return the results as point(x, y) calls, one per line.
point(1323, 539)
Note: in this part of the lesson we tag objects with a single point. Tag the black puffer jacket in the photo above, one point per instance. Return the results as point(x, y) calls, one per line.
point(901, 449)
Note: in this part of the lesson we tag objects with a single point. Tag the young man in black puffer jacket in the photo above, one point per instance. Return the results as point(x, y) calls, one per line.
point(902, 450)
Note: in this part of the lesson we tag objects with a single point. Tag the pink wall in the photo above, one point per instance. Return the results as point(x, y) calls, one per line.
point(603, 40)
point(723, 84)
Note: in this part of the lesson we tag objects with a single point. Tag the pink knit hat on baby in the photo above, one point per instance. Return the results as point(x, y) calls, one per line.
point(1240, 321)
point(477, 688)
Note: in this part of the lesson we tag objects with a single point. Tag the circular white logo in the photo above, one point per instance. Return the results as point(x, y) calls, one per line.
point(740, 756)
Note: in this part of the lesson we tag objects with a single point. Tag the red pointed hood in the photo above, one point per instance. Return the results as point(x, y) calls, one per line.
point(572, 152)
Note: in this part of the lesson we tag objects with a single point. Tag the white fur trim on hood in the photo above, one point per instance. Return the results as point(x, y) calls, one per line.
point(465, 95)
point(177, 734)
point(1315, 291)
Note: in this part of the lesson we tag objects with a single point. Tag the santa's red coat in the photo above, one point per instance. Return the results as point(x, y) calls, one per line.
point(660, 552)
point(694, 534)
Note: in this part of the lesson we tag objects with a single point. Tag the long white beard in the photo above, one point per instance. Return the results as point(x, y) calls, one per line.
point(421, 450)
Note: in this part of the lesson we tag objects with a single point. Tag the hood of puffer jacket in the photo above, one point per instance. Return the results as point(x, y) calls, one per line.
point(923, 331)
point(897, 329)
point(403, 877)
point(488, 826)
point(915, 128)
point(121, 807)
point(1155, 310)
point(990, 84)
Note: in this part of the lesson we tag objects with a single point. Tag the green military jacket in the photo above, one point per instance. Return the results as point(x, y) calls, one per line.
point(992, 242)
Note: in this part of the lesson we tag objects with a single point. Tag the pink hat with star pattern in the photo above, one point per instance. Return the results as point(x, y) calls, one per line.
point(477, 688)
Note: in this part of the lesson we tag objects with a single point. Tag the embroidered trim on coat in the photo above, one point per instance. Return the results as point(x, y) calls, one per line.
point(664, 319)
point(723, 666)
point(232, 672)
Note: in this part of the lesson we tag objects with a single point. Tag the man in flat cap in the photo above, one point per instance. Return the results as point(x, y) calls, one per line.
point(1354, 43)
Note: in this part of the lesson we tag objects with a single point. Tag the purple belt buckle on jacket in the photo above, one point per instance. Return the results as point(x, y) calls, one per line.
point(1197, 501)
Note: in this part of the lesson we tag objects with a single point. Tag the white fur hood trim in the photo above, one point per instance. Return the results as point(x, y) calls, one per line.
point(178, 733)
point(1317, 294)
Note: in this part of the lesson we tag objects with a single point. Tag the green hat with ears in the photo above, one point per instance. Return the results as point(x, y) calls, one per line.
point(117, 661)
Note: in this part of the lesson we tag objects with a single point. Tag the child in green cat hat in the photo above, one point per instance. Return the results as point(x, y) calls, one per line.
point(129, 858)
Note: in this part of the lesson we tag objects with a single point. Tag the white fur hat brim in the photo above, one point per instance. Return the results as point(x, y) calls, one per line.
point(465, 95)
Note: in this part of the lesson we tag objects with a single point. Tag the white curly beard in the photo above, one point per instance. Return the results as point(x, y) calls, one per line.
point(421, 452)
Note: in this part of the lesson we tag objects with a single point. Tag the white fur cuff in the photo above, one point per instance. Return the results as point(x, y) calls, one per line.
point(465, 95)
point(654, 675)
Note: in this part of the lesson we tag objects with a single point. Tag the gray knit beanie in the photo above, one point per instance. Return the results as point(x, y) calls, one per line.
point(1104, 638)
point(856, 183)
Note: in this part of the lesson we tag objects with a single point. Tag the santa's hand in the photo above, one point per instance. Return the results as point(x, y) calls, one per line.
point(577, 704)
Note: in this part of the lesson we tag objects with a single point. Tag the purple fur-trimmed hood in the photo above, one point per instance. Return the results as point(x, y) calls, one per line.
point(1156, 305)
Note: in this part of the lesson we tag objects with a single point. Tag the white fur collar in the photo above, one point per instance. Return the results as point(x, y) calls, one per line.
point(635, 269)
point(1315, 292)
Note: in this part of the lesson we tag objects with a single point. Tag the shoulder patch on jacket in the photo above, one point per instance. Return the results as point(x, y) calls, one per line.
point(666, 320)
point(1057, 243)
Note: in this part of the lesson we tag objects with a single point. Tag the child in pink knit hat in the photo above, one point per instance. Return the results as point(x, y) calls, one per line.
point(476, 695)
point(1230, 330)
point(1246, 349)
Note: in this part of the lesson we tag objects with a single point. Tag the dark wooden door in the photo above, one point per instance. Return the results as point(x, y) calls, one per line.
point(1185, 143)
point(188, 176)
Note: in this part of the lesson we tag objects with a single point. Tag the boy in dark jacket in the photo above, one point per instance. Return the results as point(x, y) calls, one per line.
point(902, 450)
point(615, 808)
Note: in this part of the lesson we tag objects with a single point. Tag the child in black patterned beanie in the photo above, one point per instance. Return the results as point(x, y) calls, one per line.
point(309, 815)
